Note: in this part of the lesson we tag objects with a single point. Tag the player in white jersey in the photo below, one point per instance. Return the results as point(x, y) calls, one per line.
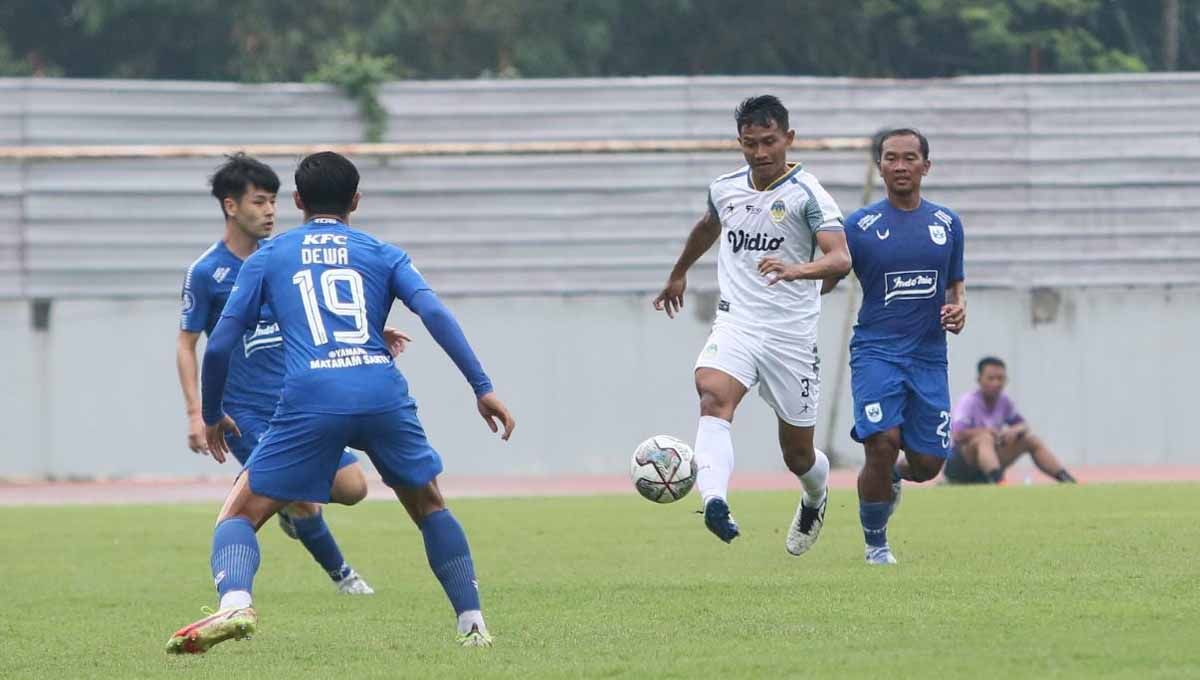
point(771, 217)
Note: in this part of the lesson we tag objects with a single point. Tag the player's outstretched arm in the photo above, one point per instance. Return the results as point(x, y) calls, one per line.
point(834, 261)
point(240, 314)
point(189, 380)
point(703, 236)
point(215, 372)
point(449, 336)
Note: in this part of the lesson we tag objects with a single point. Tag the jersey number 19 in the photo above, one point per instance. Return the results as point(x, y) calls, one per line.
point(355, 308)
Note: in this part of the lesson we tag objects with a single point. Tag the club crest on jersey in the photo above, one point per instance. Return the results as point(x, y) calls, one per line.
point(937, 233)
point(911, 285)
point(220, 273)
point(778, 211)
point(874, 412)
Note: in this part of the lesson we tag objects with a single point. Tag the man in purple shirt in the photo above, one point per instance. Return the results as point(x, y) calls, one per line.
point(990, 434)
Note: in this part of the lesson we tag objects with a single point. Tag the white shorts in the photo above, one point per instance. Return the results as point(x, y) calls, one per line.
point(787, 370)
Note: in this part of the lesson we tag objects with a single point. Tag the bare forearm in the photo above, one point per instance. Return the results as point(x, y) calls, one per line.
point(703, 236)
point(188, 367)
point(956, 294)
point(833, 264)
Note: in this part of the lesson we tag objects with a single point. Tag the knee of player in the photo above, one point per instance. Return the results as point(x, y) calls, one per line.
point(799, 453)
point(712, 404)
point(350, 486)
point(925, 469)
point(354, 492)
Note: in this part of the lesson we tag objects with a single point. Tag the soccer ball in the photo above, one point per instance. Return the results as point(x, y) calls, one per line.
point(662, 469)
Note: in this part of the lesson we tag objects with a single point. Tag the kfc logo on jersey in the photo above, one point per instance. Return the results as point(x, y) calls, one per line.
point(740, 240)
point(220, 273)
point(937, 233)
point(866, 221)
point(189, 302)
point(913, 285)
point(324, 239)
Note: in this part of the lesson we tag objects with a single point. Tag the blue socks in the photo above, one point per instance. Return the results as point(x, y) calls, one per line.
point(874, 518)
point(314, 533)
point(450, 559)
point(234, 555)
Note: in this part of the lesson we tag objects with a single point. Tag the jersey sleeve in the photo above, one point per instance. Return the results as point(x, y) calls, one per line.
point(405, 280)
point(196, 301)
point(247, 297)
point(956, 272)
point(712, 207)
point(821, 212)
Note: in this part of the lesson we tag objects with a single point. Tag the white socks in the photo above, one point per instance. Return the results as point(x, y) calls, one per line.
point(235, 599)
point(815, 479)
point(469, 618)
point(714, 458)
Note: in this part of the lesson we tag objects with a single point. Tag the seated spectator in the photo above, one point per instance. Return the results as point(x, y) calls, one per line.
point(989, 434)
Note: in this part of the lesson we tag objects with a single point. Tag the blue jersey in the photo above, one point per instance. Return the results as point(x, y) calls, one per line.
point(904, 261)
point(256, 369)
point(331, 288)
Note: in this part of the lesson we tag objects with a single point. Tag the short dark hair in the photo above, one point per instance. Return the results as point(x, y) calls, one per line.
point(988, 361)
point(327, 182)
point(761, 110)
point(237, 174)
point(885, 135)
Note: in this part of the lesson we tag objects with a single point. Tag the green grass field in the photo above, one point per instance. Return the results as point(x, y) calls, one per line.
point(1094, 581)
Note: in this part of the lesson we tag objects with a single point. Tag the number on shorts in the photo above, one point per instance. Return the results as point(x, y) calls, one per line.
point(355, 307)
point(804, 384)
point(943, 429)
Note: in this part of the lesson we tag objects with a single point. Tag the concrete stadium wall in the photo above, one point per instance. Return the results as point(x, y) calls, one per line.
point(1077, 191)
point(1106, 375)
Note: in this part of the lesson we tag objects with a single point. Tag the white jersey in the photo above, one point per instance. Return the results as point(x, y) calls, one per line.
point(780, 221)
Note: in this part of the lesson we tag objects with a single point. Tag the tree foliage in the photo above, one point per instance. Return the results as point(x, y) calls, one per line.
point(265, 40)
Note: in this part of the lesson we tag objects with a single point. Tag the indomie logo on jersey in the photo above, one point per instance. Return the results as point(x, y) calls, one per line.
point(913, 285)
point(741, 240)
point(263, 336)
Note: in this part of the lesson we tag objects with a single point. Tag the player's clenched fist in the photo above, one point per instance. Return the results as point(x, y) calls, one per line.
point(954, 317)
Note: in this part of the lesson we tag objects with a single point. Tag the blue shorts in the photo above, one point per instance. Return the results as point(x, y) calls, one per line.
point(253, 425)
point(298, 456)
point(914, 397)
